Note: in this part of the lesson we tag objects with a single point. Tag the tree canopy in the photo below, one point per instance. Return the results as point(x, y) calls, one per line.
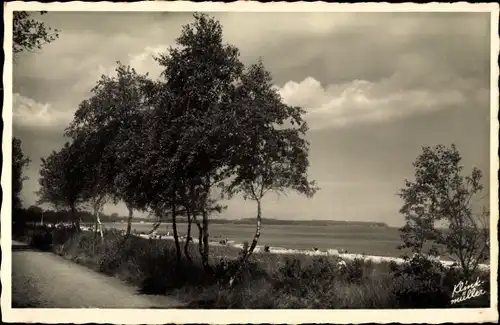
point(30, 34)
point(207, 124)
point(438, 209)
point(62, 179)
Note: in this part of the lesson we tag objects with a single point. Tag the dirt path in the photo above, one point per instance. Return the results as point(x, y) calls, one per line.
point(46, 280)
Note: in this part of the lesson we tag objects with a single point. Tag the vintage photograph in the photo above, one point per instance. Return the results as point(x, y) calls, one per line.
point(238, 159)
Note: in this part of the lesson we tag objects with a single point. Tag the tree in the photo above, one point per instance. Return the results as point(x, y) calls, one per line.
point(220, 122)
point(273, 156)
point(35, 209)
point(112, 124)
point(62, 181)
point(27, 35)
point(199, 77)
point(97, 181)
point(441, 195)
point(30, 34)
point(114, 217)
point(193, 202)
point(19, 162)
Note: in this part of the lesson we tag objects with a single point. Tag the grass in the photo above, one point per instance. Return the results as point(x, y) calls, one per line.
point(266, 281)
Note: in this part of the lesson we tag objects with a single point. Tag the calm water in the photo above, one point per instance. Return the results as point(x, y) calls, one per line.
point(354, 239)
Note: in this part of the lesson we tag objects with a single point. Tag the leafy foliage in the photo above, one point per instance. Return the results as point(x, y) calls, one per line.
point(441, 195)
point(208, 122)
point(272, 153)
point(30, 34)
point(271, 156)
point(111, 129)
point(422, 283)
point(62, 179)
point(19, 162)
point(42, 239)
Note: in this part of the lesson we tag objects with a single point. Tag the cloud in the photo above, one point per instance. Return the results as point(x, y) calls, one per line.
point(364, 101)
point(387, 71)
point(144, 62)
point(27, 112)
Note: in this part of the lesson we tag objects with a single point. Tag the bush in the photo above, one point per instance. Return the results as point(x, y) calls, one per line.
point(111, 253)
point(355, 270)
point(61, 234)
point(265, 280)
point(158, 266)
point(421, 284)
point(247, 272)
point(298, 277)
point(42, 238)
point(147, 263)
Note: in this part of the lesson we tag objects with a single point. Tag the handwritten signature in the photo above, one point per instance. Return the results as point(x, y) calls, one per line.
point(465, 291)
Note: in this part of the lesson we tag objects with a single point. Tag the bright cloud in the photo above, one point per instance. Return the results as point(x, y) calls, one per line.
point(144, 61)
point(30, 113)
point(363, 101)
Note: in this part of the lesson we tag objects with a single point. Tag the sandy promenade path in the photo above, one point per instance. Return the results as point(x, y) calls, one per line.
point(45, 280)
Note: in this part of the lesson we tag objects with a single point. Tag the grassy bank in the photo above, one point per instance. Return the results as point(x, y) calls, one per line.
point(267, 280)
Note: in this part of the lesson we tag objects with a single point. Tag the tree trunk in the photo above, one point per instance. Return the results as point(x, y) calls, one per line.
point(257, 230)
point(247, 254)
point(99, 224)
point(156, 225)
point(76, 221)
point(97, 219)
point(95, 228)
point(206, 247)
point(200, 238)
point(129, 220)
point(191, 210)
point(174, 226)
point(188, 237)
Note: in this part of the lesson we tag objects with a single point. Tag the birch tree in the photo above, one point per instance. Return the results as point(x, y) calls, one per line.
point(273, 156)
point(112, 121)
point(439, 209)
point(199, 74)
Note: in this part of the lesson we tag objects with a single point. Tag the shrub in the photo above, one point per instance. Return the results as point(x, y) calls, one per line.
point(42, 238)
point(300, 276)
point(158, 268)
point(258, 295)
point(248, 272)
point(420, 283)
point(150, 264)
point(62, 234)
point(111, 253)
point(354, 271)
point(265, 280)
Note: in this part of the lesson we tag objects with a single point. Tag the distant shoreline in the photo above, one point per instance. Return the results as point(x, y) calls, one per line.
point(250, 221)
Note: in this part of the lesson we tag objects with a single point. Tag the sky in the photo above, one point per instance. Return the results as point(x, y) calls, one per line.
point(376, 87)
